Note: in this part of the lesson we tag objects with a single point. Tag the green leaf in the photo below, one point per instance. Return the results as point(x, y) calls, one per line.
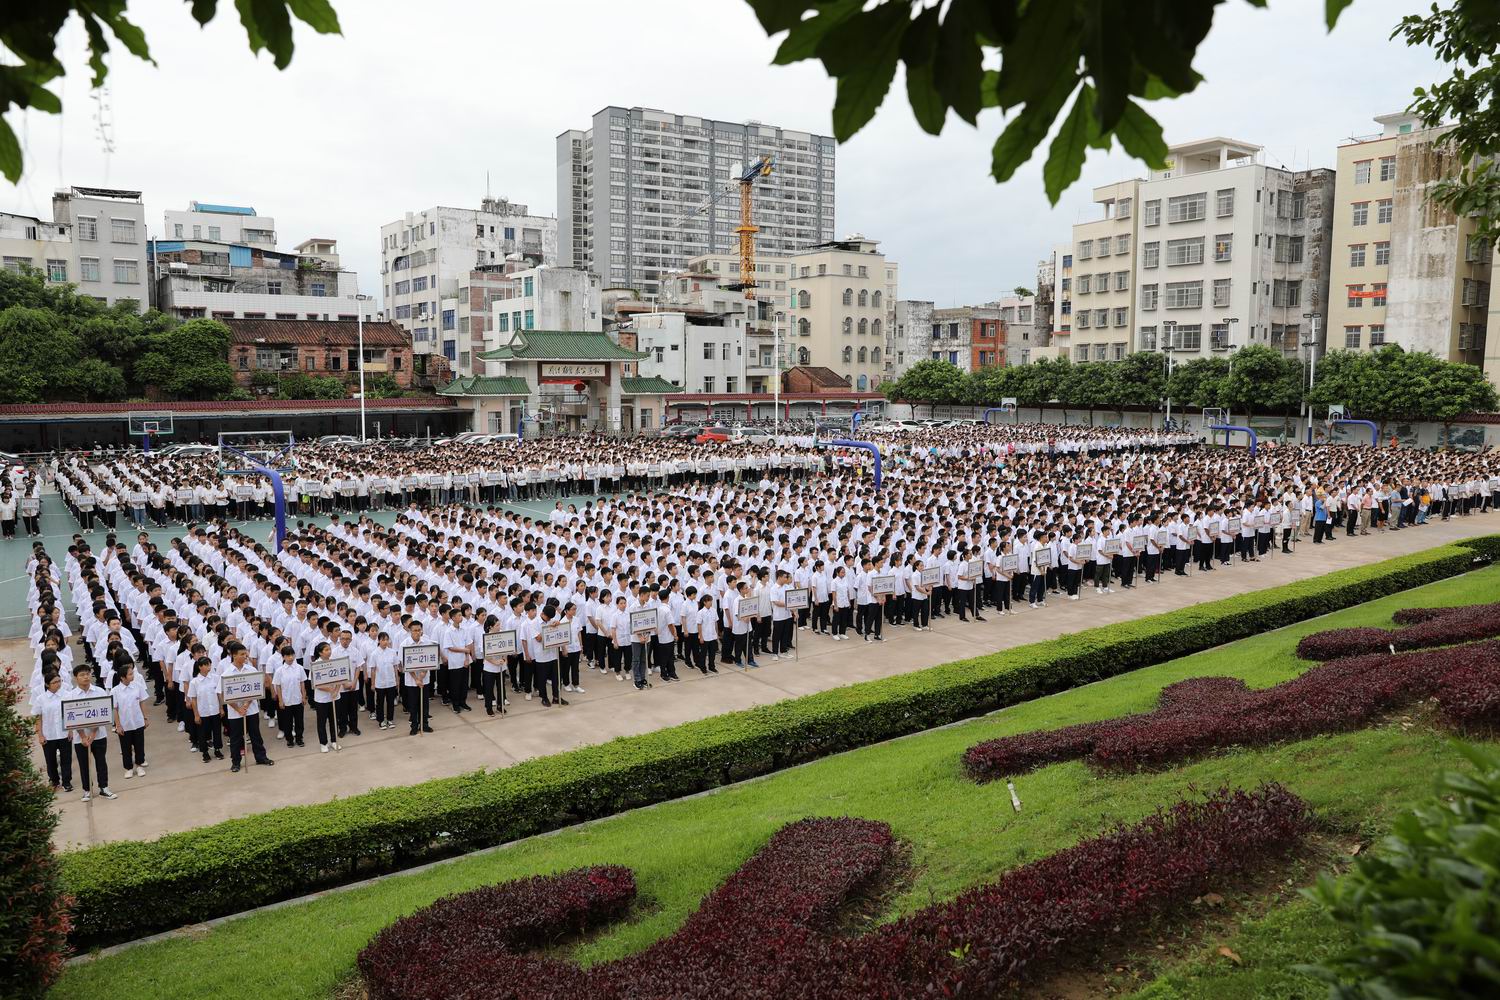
point(41, 99)
point(778, 15)
point(10, 153)
point(863, 57)
point(1141, 136)
point(1065, 156)
point(204, 10)
point(318, 15)
point(1045, 50)
point(269, 26)
point(1332, 9)
point(98, 48)
point(918, 51)
point(803, 39)
point(959, 69)
point(1026, 130)
point(132, 37)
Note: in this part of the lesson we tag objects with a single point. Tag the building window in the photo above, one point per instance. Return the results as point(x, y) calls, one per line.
point(1122, 281)
point(1377, 331)
point(804, 300)
point(1086, 250)
point(1122, 315)
point(1378, 300)
point(804, 328)
point(1351, 337)
point(1224, 202)
point(1101, 318)
point(530, 319)
point(1083, 319)
point(1148, 298)
point(1286, 293)
point(1382, 254)
point(88, 268)
point(502, 323)
point(1150, 254)
point(1387, 173)
point(273, 288)
point(57, 270)
point(724, 354)
point(848, 355)
point(1101, 352)
point(1184, 294)
point(1081, 352)
point(849, 327)
point(864, 355)
point(1361, 213)
point(15, 264)
point(309, 363)
point(1354, 299)
point(1151, 215)
point(1362, 172)
point(1221, 292)
point(88, 227)
point(127, 272)
point(1085, 282)
point(1102, 249)
point(1218, 336)
point(848, 297)
point(213, 232)
point(1289, 249)
point(1357, 255)
point(1383, 210)
point(122, 230)
point(318, 288)
point(875, 300)
point(708, 350)
point(708, 383)
point(449, 319)
point(1186, 251)
point(1148, 338)
point(864, 298)
point(1224, 247)
point(1189, 336)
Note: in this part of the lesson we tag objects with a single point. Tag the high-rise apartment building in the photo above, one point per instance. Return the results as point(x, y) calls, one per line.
point(629, 190)
point(427, 258)
point(1103, 276)
point(1229, 252)
point(1405, 269)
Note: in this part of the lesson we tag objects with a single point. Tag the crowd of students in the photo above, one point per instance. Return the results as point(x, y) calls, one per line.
point(708, 569)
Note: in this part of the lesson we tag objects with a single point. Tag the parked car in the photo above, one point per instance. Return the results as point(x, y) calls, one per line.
point(717, 433)
point(340, 440)
point(751, 435)
point(681, 430)
point(188, 450)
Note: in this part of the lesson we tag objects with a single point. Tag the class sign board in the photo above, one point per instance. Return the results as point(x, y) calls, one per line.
point(643, 620)
point(1234, 525)
point(932, 575)
point(1010, 564)
point(750, 607)
point(1042, 558)
point(501, 643)
point(242, 687)
point(883, 584)
point(420, 657)
point(1111, 546)
point(797, 598)
point(973, 569)
point(88, 712)
point(556, 636)
point(30, 506)
point(1086, 550)
point(336, 671)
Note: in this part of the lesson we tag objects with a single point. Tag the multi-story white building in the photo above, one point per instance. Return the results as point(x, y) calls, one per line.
point(427, 257)
point(29, 242)
point(1062, 301)
point(1103, 276)
point(629, 188)
point(95, 239)
point(220, 224)
point(202, 278)
point(701, 352)
point(842, 309)
point(1230, 252)
point(1404, 269)
point(545, 298)
point(771, 281)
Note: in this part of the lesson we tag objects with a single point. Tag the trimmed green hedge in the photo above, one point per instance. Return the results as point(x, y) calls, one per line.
point(128, 889)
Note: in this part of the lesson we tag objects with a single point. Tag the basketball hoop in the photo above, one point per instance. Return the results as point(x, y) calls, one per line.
point(147, 426)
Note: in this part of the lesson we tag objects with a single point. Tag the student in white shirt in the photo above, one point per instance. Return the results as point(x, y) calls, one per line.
point(708, 635)
point(93, 741)
point(130, 721)
point(244, 716)
point(288, 683)
point(325, 697)
point(382, 666)
point(47, 707)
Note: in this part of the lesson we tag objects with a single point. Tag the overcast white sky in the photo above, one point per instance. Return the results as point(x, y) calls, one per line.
point(415, 102)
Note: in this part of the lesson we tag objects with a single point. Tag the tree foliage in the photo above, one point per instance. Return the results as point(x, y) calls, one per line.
point(1109, 60)
point(189, 361)
point(28, 34)
point(1389, 384)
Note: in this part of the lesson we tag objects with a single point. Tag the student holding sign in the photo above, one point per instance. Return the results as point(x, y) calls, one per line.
point(81, 707)
point(418, 661)
point(708, 636)
point(498, 645)
point(47, 707)
point(547, 639)
point(203, 695)
point(326, 692)
point(244, 711)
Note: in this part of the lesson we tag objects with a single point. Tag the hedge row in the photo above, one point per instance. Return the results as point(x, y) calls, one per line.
point(770, 930)
point(129, 889)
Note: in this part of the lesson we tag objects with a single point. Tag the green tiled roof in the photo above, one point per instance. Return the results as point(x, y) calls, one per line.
point(653, 386)
point(486, 385)
point(561, 345)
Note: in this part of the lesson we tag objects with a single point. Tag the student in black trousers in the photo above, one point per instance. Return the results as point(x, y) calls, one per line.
point(92, 742)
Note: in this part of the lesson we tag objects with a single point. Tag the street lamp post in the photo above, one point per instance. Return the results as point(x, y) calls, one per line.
point(1311, 343)
point(360, 301)
point(1168, 328)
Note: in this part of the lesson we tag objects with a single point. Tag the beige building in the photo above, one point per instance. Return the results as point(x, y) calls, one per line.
point(842, 309)
point(1405, 270)
point(1103, 276)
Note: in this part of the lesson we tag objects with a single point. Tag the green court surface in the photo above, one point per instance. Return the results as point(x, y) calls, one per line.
point(59, 527)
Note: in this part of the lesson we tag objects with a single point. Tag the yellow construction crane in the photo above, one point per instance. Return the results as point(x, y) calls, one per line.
point(747, 228)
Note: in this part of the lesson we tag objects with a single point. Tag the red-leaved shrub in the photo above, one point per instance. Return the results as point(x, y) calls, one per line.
point(1422, 629)
point(767, 932)
point(1211, 713)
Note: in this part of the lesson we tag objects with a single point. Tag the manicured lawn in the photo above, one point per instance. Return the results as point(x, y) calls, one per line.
point(961, 834)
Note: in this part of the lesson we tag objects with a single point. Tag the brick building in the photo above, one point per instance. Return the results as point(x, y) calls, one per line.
point(318, 348)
